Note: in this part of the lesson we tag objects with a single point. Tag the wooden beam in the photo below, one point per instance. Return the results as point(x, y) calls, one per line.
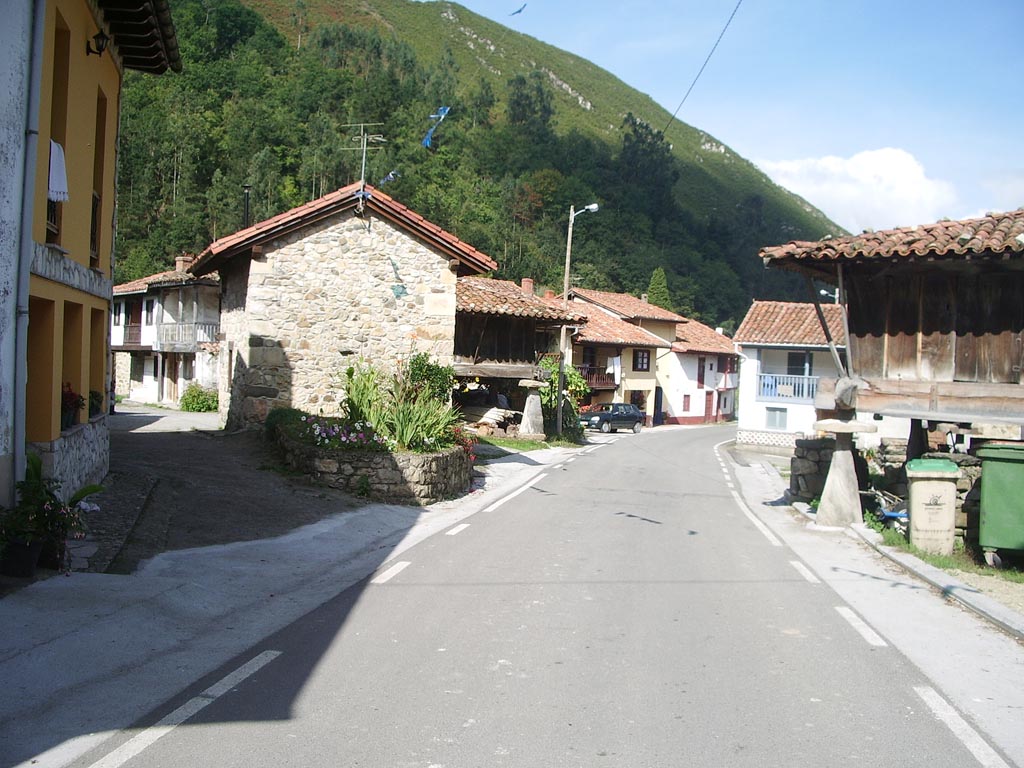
point(496, 370)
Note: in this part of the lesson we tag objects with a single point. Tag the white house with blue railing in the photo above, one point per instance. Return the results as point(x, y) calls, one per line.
point(783, 354)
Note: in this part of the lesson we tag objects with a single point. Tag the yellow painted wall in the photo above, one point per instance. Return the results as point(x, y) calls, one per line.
point(68, 327)
point(87, 77)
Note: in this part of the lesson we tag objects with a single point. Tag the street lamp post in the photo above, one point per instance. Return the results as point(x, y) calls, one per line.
point(573, 213)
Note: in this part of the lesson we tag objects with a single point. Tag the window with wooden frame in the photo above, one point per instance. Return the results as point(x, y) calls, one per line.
point(701, 363)
point(641, 359)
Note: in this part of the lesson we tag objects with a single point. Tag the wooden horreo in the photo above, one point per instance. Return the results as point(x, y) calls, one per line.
point(935, 317)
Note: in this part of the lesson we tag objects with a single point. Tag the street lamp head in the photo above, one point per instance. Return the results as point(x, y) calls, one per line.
point(592, 208)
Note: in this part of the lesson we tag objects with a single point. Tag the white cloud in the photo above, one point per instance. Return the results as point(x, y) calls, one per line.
point(878, 189)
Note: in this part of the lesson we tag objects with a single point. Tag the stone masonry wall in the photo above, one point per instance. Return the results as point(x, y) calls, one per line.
point(809, 467)
point(79, 457)
point(408, 478)
point(314, 301)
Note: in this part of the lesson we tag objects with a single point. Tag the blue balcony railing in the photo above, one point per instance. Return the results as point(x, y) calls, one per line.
point(786, 389)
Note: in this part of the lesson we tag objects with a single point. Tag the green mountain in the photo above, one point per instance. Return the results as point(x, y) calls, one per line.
point(272, 88)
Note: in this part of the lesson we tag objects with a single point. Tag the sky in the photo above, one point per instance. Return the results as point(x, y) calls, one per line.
point(881, 113)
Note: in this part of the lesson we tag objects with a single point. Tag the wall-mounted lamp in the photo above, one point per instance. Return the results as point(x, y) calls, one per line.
point(100, 40)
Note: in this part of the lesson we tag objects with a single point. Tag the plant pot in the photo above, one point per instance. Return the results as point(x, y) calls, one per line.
point(20, 558)
point(51, 554)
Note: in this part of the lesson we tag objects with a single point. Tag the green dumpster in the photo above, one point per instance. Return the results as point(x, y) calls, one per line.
point(1002, 499)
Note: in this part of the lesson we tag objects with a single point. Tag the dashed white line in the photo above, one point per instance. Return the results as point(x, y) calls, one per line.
point(855, 621)
point(969, 737)
point(391, 572)
point(457, 529)
point(804, 571)
point(186, 711)
point(515, 493)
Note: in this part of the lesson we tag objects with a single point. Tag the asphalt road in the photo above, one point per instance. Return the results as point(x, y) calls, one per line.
point(624, 609)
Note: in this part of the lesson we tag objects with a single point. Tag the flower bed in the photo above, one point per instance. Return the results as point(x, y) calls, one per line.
point(406, 477)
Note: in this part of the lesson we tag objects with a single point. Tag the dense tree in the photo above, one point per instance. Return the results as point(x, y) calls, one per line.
point(252, 108)
point(657, 290)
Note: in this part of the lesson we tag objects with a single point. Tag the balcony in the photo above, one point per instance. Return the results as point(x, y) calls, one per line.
point(596, 377)
point(132, 335)
point(780, 388)
point(183, 337)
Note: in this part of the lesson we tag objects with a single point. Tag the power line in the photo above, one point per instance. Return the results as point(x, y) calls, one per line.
point(702, 66)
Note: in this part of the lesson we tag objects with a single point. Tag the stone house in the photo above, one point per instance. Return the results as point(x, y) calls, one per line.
point(354, 274)
point(164, 334)
point(63, 65)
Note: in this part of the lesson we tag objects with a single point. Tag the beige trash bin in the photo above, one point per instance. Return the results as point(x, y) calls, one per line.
point(932, 504)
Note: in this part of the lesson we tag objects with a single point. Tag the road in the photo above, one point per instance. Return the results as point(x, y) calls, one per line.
point(625, 608)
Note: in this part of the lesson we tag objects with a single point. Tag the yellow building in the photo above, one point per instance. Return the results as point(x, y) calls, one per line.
point(63, 63)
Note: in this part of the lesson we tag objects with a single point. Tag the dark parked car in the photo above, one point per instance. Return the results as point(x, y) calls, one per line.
point(611, 417)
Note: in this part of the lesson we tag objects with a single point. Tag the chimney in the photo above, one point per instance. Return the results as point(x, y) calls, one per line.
point(643, 297)
point(183, 262)
point(528, 286)
point(548, 293)
point(720, 330)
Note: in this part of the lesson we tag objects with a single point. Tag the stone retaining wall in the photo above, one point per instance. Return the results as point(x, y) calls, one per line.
point(809, 467)
point(405, 478)
point(79, 457)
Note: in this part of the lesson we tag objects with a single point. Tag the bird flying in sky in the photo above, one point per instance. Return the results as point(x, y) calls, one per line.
point(518, 11)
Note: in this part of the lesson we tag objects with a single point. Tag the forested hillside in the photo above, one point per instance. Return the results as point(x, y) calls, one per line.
point(529, 131)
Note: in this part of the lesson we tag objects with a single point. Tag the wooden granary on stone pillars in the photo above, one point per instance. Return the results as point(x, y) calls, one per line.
point(934, 323)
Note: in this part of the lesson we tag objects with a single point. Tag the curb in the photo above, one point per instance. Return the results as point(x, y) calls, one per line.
point(1006, 619)
point(998, 614)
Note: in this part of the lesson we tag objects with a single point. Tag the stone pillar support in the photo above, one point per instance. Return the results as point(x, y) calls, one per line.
point(840, 501)
point(532, 425)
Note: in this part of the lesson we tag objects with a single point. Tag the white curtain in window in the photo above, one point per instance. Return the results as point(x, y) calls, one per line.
point(58, 185)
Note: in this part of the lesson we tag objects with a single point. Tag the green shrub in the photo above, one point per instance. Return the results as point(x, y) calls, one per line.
point(437, 380)
point(575, 388)
point(407, 411)
point(95, 403)
point(288, 419)
point(198, 399)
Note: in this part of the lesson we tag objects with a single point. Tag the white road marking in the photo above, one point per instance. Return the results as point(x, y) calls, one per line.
point(855, 621)
point(391, 572)
point(457, 529)
point(757, 523)
point(186, 711)
point(804, 571)
point(512, 495)
point(570, 461)
point(558, 466)
point(969, 737)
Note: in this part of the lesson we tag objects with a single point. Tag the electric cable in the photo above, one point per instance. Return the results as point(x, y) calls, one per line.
point(702, 66)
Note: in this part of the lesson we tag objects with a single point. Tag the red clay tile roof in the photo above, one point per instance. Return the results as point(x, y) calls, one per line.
point(171, 277)
point(626, 305)
point(343, 199)
point(1001, 233)
point(790, 323)
point(604, 328)
point(692, 336)
point(483, 295)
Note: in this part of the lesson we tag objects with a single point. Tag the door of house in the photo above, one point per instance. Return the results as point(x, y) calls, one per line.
point(659, 416)
point(709, 406)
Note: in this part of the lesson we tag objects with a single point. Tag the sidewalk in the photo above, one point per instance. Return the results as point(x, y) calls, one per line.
point(1000, 613)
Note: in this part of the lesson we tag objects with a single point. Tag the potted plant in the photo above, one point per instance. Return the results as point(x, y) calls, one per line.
point(70, 404)
point(39, 521)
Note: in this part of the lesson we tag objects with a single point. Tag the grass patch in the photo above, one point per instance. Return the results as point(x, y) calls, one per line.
point(513, 443)
point(968, 559)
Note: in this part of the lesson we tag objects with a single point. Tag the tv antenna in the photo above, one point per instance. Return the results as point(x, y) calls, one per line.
point(367, 141)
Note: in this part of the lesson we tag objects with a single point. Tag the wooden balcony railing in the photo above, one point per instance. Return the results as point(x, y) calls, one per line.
point(133, 334)
point(784, 388)
point(596, 377)
point(184, 336)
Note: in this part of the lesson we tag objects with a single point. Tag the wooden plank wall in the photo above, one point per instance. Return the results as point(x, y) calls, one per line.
point(494, 338)
point(937, 326)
